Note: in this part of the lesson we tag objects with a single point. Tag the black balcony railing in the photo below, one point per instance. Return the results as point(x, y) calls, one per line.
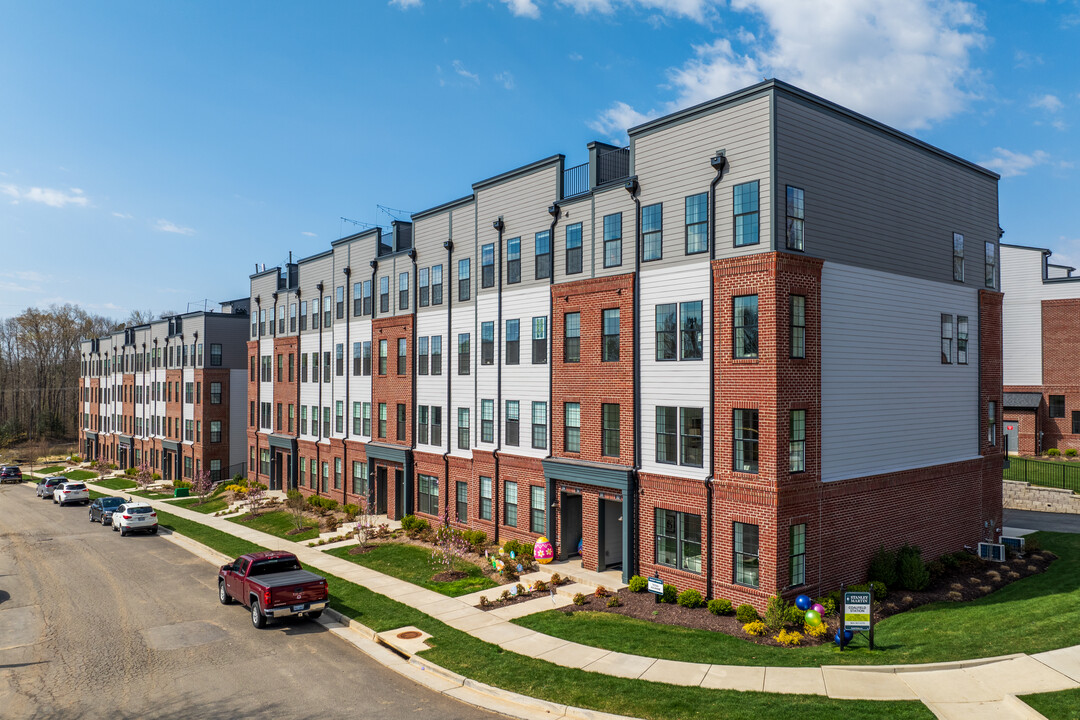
point(575, 180)
point(612, 165)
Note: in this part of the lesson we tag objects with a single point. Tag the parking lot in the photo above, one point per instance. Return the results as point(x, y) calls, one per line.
point(95, 625)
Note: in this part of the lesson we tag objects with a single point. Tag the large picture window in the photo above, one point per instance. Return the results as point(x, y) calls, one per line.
point(745, 326)
point(678, 540)
point(428, 492)
point(745, 432)
point(690, 329)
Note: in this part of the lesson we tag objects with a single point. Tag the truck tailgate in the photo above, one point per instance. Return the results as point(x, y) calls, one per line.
point(294, 587)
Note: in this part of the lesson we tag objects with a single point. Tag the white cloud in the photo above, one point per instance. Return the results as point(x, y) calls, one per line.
point(122, 216)
point(523, 8)
point(1011, 164)
point(22, 281)
point(614, 121)
point(698, 10)
point(406, 4)
point(506, 79)
point(46, 196)
point(308, 234)
point(1024, 59)
point(715, 70)
point(576, 57)
point(459, 68)
point(1048, 102)
point(170, 227)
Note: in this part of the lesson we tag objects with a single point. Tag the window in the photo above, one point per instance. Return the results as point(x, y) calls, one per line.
point(402, 355)
point(798, 326)
point(366, 351)
point(542, 249)
point(690, 430)
point(697, 223)
point(315, 420)
point(745, 433)
point(797, 554)
point(513, 260)
point(326, 366)
point(359, 477)
point(462, 501)
point(487, 421)
point(402, 425)
point(436, 425)
point(189, 390)
point(326, 421)
point(463, 354)
point(946, 339)
point(652, 232)
point(539, 425)
point(303, 315)
point(403, 291)
point(487, 266)
point(746, 213)
point(745, 326)
point(262, 324)
point(357, 419)
point(422, 425)
point(382, 420)
point(215, 393)
point(666, 341)
point(215, 431)
point(384, 294)
point(513, 344)
point(991, 265)
point(463, 279)
point(961, 340)
point(357, 358)
point(958, 257)
point(339, 416)
point(383, 351)
point(1076, 422)
point(613, 240)
point(1057, 406)
point(215, 354)
point(339, 302)
point(745, 546)
point(303, 419)
point(539, 340)
point(422, 356)
point(572, 337)
point(325, 476)
point(436, 354)
point(292, 366)
point(610, 441)
point(358, 299)
point(303, 367)
point(367, 297)
point(485, 498)
point(794, 219)
point(512, 423)
point(436, 285)
point(666, 449)
point(573, 249)
point(423, 285)
point(510, 503)
point(314, 477)
point(572, 427)
point(610, 346)
point(797, 441)
point(487, 343)
point(428, 491)
point(339, 359)
point(337, 473)
point(366, 409)
point(991, 423)
point(326, 311)
point(463, 428)
point(690, 329)
point(678, 540)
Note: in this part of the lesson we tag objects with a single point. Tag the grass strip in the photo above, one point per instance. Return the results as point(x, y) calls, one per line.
point(412, 563)
point(115, 483)
point(152, 495)
point(1061, 705)
point(1043, 612)
point(191, 503)
point(80, 474)
point(49, 470)
point(464, 654)
point(279, 523)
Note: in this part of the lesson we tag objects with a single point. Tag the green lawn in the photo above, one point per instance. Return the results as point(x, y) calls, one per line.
point(462, 653)
point(52, 469)
point(191, 503)
point(116, 483)
point(279, 523)
point(152, 495)
point(1063, 705)
point(413, 564)
point(1038, 613)
point(80, 474)
point(94, 495)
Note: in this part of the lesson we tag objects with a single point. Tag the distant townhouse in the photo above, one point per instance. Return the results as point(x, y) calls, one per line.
point(171, 393)
point(1041, 351)
point(740, 354)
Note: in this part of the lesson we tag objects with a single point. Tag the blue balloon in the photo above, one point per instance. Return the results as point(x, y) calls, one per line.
point(848, 635)
point(803, 602)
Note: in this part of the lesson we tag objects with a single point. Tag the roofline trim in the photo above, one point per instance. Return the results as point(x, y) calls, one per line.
point(445, 206)
point(516, 172)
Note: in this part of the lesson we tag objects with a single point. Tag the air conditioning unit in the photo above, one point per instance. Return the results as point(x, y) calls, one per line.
point(992, 551)
point(1016, 544)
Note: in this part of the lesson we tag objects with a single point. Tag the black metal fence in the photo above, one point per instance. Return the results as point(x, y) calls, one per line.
point(1065, 475)
point(575, 180)
point(612, 165)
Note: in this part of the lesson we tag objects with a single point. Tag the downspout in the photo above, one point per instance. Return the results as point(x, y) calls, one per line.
point(347, 270)
point(299, 345)
point(318, 450)
point(719, 162)
point(372, 473)
point(499, 226)
point(633, 188)
point(258, 385)
point(553, 210)
point(449, 246)
point(412, 379)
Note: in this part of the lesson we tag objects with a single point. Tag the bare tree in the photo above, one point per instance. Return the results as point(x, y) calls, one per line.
point(140, 317)
point(201, 485)
point(365, 522)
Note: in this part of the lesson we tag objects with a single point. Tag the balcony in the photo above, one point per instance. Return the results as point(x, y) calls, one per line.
point(607, 163)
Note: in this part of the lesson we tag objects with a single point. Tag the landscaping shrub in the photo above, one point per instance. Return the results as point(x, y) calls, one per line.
point(1053, 452)
point(131, 472)
point(114, 466)
point(826, 602)
point(746, 614)
point(505, 595)
point(911, 572)
point(417, 527)
point(520, 589)
point(155, 477)
point(331, 523)
point(351, 511)
point(602, 592)
point(614, 601)
point(794, 616)
point(671, 594)
point(556, 579)
point(1071, 452)
point(880, 591)
point(936, 568)
point(484, 602)
point(789, 638)
point(516, 547)
point(755, 627)
point(883, 567)
point(691, 598)
point(638, 584)
point(1032, 545)
point(540, 586)
point(720, 606)
point(775, 613)
point(181, 484)
point(579, 599)
point(408, 523)
point(476, 538)
point(816, 631)
point(75, 459)
point(509, 572)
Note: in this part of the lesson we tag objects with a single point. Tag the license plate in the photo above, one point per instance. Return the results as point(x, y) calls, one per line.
point(298, 608)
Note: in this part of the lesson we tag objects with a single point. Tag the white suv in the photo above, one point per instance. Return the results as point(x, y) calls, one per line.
point(70, 492)
point(132, 516)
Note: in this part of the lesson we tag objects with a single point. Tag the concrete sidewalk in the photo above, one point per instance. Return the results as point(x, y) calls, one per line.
point(983, 688)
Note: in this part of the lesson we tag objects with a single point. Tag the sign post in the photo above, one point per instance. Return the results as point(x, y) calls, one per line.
point(656, 587)
point(858, 614)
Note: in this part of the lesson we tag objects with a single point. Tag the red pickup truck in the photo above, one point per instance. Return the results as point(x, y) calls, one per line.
point(273, 585)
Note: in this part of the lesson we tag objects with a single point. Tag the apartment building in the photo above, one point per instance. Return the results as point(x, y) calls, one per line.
point(1041, 351)
point(740, 354)
point(171, 393)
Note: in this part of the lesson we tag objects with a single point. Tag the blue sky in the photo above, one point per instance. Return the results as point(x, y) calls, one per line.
point(152, 153)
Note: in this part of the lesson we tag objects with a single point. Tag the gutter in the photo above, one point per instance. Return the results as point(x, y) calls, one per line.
point(346, 475)
point(719, 162)
point(449, 246)
point(554, 210)
point(499, 226)
point(318, 451)
point(633, 188)
point(412, 441)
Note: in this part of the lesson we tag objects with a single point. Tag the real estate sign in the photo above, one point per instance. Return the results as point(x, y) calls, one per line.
point(856, 611)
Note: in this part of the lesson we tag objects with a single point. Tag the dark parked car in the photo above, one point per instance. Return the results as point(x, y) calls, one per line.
point(101, 510)
point(45, 487)
point(273, 585)
point(10, 474)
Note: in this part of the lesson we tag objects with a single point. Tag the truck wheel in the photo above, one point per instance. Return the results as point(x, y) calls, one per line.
point(257, 618)
point(223, 596)
point(315, 615)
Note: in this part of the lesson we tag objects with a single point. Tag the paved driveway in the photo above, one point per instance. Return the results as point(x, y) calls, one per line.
point(93, 625)
point(1031, 520)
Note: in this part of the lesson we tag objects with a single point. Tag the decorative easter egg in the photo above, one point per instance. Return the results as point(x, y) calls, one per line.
point(580, 545)
point(512, 555)
point(818, 608)
point(813, 618)
point(499, 565)
point(519, 568)
point(513, 591)
point(803, 602)
point(543, 550)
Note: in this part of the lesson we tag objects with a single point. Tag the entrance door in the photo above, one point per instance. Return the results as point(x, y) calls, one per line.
point(613, 539)
point(570, 524)
point(399, 494)
point(1012, 436)
point(380, 490)
point(275, 472)
point(166, 464)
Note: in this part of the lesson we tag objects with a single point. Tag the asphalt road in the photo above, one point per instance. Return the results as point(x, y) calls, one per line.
point(93, 625)
point(1032, 520)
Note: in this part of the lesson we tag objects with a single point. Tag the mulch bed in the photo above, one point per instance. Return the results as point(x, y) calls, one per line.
point(496, 601)
point(975, 579)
